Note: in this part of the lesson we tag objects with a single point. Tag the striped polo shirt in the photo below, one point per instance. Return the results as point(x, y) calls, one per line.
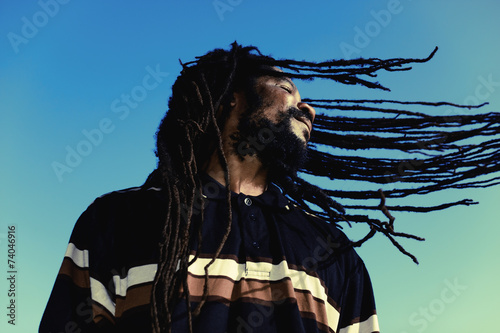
point(280, 270)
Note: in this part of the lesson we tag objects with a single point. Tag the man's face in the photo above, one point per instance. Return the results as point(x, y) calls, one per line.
point(276, 125)
point(280, 101)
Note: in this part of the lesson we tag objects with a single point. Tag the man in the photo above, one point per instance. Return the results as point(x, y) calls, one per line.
point(219, 238)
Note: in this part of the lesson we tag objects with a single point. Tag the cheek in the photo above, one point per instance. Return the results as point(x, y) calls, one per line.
point(277, 110)
point(273, 104)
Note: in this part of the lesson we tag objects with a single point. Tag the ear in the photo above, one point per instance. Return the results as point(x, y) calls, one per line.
point(237, 104)
point(238, 100)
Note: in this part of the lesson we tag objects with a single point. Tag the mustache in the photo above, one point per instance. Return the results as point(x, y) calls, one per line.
point(298, 113)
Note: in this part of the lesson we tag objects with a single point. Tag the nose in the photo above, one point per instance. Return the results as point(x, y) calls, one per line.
point(308, 109)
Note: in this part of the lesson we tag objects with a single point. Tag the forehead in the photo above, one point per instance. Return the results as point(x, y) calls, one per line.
point(275, 79)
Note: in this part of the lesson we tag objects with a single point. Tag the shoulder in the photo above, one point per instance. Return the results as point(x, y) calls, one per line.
point(335, 258)
point(125, 204)
point(120, 212)
point(318, 226)
point(129, 198)
point(317, 242)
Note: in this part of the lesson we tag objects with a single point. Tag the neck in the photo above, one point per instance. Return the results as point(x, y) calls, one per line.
point(247, 175)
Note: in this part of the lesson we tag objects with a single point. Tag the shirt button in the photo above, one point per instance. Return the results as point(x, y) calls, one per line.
point(252, 217)
point(248, 201)
point(256, 245)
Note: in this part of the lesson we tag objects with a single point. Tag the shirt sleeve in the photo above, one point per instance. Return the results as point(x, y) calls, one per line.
point(358, 312)
point(79, 301)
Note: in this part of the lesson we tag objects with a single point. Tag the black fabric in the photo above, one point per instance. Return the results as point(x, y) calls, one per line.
point(281, 269)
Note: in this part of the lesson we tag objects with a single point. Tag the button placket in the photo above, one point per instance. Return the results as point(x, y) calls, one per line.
point(252, 226)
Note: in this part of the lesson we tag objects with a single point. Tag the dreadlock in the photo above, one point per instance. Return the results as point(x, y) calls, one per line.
point(442, 152)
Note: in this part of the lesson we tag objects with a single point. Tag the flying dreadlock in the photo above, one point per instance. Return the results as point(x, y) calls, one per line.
point(440, 153)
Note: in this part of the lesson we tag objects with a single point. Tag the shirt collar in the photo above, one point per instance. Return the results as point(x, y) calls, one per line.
point(273, 196)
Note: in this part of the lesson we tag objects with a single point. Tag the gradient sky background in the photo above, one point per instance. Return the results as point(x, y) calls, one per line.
point(64, 77)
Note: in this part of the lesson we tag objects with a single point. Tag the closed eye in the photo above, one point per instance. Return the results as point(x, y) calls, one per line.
point(287, 88)
point(286, 84)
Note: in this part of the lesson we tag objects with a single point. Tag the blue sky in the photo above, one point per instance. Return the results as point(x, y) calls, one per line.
point(67, 67)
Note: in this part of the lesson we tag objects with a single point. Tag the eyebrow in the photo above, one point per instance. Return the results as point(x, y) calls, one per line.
point(288, 80)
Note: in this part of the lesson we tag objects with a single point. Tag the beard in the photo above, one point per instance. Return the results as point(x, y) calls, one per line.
point(275, 144)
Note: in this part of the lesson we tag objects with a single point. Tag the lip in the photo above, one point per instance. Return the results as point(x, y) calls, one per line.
point(307, 122)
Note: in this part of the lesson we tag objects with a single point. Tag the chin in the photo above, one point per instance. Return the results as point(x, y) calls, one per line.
point(303, 136)
point(301, 133)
